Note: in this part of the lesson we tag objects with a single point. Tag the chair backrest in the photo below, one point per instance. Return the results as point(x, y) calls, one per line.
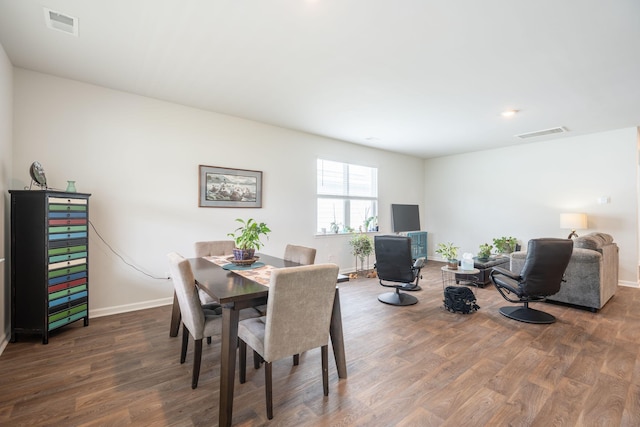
point(184, 284)
point(544, 266)
point(300, 254)
point(299, 309)
point(214, 248)
point(393, 258)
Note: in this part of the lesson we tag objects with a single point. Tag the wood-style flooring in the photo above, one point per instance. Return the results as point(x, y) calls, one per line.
point(408, 366)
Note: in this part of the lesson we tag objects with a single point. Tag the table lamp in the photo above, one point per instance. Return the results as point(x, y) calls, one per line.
point(573, 222)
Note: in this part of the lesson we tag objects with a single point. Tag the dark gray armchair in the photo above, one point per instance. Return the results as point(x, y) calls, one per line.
point(541, 276)
point(395, 264)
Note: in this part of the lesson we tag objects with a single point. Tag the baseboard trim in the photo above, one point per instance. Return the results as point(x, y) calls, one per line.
point(628, 284)
point(108, 311)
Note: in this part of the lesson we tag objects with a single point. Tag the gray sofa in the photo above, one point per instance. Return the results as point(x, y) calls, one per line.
point(592, 274)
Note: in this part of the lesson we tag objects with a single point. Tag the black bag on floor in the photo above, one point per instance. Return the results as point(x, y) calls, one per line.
point(460, 299)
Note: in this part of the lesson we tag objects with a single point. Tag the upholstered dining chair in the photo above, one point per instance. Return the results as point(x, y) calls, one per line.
point(196, 321)
point(298, 254)
point(298, 317)
point(541, 276)
point(212, 248)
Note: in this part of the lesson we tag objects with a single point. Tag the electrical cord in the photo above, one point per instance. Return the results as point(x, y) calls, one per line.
point(121, 258)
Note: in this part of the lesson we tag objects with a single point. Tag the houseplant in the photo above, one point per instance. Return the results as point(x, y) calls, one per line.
point(484, 252)
point(247, 238)
point(449, 252)
point(505, 245)
point(361, 247)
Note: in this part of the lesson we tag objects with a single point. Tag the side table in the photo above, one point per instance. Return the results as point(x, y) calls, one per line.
point(481, 279)
point(455, 277)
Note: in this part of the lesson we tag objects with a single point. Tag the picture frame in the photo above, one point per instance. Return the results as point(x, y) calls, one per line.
point(229, 188)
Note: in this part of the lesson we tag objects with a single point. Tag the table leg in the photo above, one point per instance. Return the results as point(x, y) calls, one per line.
point(175, 317)
point(230, 318)
point(337, 338)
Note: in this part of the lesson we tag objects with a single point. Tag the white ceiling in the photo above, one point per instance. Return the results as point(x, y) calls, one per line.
point(424, 77)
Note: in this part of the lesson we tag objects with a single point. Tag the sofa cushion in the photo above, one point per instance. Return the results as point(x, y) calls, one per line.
point(593, 241)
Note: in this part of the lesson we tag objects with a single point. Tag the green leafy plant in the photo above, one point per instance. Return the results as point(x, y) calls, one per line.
point(505, 245)
point(361, 247)
point(447, 251)
point(247, 236)
point(485, 251)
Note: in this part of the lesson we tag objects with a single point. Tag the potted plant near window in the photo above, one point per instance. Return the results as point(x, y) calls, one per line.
point(505, 245)
point(361, 247)
point(247, 238)
point(485, 252)
point(449, 252)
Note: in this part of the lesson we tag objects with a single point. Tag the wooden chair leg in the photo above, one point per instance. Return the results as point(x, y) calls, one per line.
point(268, 385)
point(176, 318)
point(197, 357)
point(242, 356)
point(325, 369)
point(296, 359)
point(185, 341)
point(257, 360)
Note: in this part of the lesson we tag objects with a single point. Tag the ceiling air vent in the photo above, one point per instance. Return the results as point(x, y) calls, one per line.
point(535, 134)
point(61, 22)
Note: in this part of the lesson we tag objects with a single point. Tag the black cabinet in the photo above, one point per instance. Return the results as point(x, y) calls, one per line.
point(49, 261)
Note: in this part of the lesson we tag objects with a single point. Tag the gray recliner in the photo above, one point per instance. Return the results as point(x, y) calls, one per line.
point(396, 268)
point(541, 276)
point(591, 278)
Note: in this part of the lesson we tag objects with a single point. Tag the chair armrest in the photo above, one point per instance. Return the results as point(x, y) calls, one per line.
point(419, 263)
point(506, 272)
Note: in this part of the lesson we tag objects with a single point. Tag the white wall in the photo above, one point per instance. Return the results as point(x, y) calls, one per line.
point(139, 158)
point(6, 128)
point(521, 191)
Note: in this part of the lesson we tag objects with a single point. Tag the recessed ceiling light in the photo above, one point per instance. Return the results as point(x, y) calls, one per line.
point(509, 113)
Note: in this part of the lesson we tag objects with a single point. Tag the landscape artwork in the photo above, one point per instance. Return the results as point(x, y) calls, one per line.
point(225, 187)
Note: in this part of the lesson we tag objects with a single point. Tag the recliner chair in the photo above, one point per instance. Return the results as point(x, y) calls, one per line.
point(541, 276)
point(395, 264)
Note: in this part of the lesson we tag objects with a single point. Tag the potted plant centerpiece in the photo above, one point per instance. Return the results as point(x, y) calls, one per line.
point(484, 252)
point(449, 252)
point(247, 238)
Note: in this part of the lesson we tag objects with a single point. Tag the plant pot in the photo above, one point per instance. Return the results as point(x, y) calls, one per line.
point(242, 254)
point(452, 264)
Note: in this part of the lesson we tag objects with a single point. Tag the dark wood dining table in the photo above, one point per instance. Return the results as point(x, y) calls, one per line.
point(235, 292)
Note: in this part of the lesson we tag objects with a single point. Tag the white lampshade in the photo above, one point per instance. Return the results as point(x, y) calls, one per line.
point(573, 221)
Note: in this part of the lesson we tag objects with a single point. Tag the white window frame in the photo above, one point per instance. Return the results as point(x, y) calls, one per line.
point(346, 195)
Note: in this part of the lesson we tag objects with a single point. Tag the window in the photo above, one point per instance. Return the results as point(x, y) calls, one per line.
point(347, 197)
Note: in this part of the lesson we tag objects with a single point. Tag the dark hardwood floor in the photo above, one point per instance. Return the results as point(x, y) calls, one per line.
point(408, 366)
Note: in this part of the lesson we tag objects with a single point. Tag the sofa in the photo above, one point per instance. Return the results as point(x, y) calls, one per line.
point(591, 276)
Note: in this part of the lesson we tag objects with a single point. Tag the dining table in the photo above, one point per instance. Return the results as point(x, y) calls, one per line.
point(235, 292)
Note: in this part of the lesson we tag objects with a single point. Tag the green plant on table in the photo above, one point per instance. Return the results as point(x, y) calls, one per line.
point(447, 251)
point(247, 236)
point(485, 251)
point(505, 245)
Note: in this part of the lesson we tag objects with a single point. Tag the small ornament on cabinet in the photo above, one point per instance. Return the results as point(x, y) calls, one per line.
point(71, 187)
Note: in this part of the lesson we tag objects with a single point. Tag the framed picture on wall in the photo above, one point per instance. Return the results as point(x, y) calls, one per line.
point(229, 188)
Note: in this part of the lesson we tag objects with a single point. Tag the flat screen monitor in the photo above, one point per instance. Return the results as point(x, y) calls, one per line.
point(405, 218)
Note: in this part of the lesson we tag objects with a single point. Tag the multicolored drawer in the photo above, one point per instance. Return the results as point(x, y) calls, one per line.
point(50, 261)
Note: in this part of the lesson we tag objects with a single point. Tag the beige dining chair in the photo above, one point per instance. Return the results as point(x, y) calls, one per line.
point(212, 248)
point(298, 254)
point(196, 321)
point(298, 317)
